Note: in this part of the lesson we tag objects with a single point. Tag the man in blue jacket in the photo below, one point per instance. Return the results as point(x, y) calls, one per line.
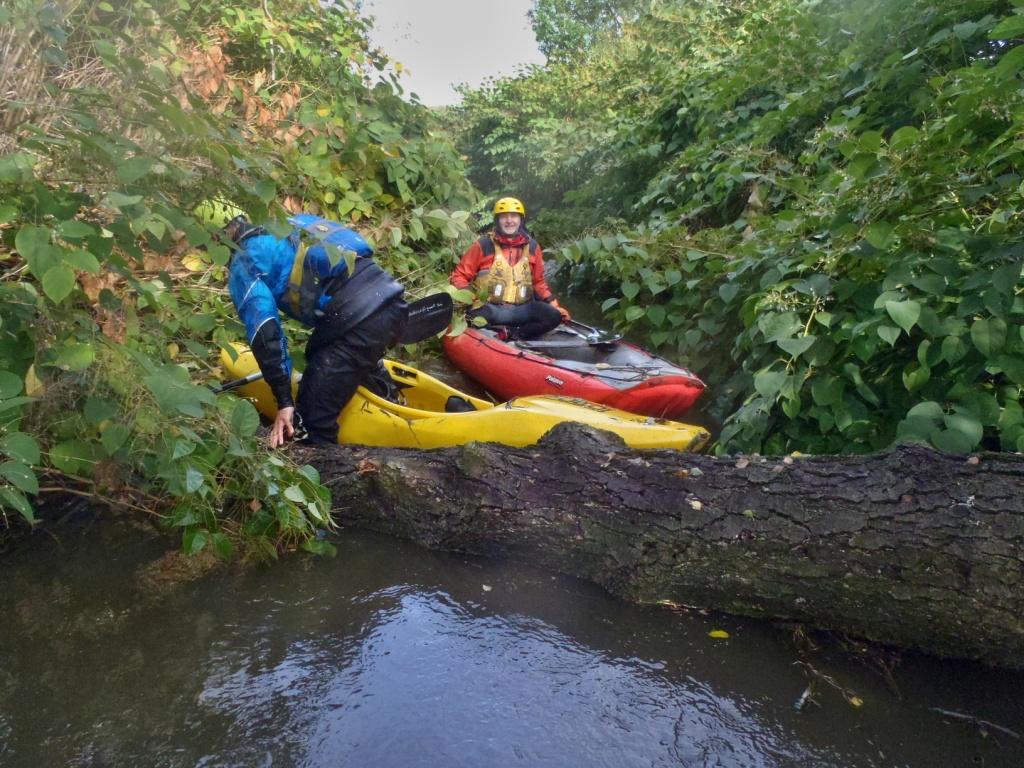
point(355, 315)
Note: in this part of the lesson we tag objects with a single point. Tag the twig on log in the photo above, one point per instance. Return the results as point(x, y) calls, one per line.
point(983, 725)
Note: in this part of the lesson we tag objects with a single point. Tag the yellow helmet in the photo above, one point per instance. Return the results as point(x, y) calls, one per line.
point(217, 213)
point(509, 205)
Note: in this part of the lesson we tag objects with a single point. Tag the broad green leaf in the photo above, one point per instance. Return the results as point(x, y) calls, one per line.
point(880, 235)
point(194, 541)
point(20, 446)
point(194, 479)
point(630, 289)
point(889, 334)
point(20, 476)
point(904, 313)
point(728, 291)
point(927, 409)
point(244, 419)
point(656, 314)
point(31, 239)
point(915, 376)
point(134, 168)
point(768, 383)
point(10, 385)
point(635, 313)
point(120, 200)
point(73, 229)
point(74, 356)
point(75, 457)
point(962, 434)
point(904, 137)
point(797, 346)
point(15, 500)
point(82, 260)
point(1009, 28)
point(58, 282)
point(114, 437)
point(294, 493)
point(98, 409)
point(988, 335)
point(265, 190)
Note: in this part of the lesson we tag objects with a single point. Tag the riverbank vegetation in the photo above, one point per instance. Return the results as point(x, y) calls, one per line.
point(118, 118)
point(816, 204)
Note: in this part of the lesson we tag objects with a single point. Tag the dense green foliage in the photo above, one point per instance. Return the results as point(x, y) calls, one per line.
point(816, 204)
point(108, 339)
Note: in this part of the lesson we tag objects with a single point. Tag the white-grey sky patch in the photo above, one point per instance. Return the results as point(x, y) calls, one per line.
point(446, 42)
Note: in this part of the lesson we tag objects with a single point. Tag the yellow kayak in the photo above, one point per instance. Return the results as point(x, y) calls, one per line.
point(420, 419)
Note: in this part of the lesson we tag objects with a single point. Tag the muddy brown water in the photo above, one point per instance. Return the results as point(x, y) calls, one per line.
point(390, 655)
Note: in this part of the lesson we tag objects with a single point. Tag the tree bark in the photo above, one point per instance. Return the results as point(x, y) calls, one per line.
point(910, 547)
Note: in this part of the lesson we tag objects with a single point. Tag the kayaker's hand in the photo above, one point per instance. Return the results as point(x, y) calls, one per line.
point(282, 429)
point(566, 317)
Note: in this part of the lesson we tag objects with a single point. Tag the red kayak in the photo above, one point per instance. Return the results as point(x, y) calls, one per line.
point(577, 361)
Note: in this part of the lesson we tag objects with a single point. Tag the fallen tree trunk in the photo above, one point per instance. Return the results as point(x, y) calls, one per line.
point(911, 547)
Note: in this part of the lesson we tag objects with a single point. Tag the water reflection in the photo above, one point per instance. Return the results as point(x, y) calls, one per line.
point(391, 656)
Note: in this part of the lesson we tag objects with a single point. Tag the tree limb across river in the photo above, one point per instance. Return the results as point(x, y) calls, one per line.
point(910, 547)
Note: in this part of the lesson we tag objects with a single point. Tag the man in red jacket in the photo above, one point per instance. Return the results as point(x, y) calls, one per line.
point(506, 268)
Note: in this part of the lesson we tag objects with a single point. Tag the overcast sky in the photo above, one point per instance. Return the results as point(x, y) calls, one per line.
point(446, 42)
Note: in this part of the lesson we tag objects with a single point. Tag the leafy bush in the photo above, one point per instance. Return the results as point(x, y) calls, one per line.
point(829, 223)
point(112, 294)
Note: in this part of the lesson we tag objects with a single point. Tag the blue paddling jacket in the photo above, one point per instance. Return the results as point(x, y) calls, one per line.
point(301, 275)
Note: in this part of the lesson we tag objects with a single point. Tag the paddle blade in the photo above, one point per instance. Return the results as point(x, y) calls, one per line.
point(427, 317)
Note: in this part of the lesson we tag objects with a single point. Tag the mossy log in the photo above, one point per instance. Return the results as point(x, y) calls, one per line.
point(910, 547)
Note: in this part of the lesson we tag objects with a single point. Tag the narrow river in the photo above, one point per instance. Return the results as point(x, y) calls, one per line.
point(389, 655)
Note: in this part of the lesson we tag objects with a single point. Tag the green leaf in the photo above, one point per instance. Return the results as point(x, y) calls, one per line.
point(114, 437)
point(73, 229)
point(74, 457)
point(728, 291)
point(223, 545)
point(13, 499)
point(880, 235)
point(31, 239)
point(904, 137)
point(904, 313)
point(265, 190)
point(194, 479)
point(82, 260)
point(889, 334)
point(74, 356)
point(97, 410)
point(988, 335)
point(630, 289)
point(20, 446)
point(245, 420)
point(20, 476)
point(962, 434)
point(635, 313)
point(119, 200)
point(927, 409)
point(134, 168)
point(10, 385)
point(1009, 28)
point(295, 494)
point(58, 282)
point(768, 383)
point(797, 346)
point(194, 541)
point(915, 376)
